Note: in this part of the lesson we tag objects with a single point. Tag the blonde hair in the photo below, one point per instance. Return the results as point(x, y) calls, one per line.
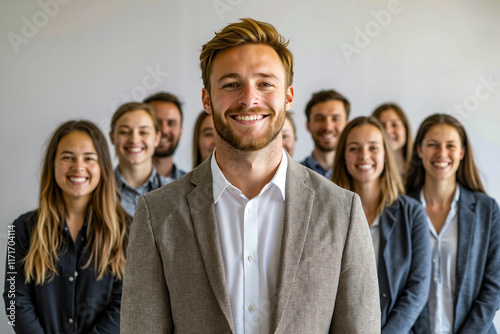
point(248, 31)
point(107, 221)
point(134, 106)
point(391, 185)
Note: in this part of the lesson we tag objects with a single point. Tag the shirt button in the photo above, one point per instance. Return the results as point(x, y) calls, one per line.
point(434, 260)
point(76, 273)
point(250, 211)
point(384, 295)
point(250, 258)
point(435, 279)
point(82, 238)
point(70, 320)
point(71, 278)
point(251, 308)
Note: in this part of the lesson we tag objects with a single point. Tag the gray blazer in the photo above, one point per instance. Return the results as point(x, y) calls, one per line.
point(477, 287)
point(174, 277)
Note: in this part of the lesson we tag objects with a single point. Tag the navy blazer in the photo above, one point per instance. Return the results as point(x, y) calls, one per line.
point(404, 265)
point(477, 287)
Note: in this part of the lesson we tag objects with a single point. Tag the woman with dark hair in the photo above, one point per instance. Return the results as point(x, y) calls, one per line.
point(364, 163)
point(397, 127)
point(69, 254)
point(203, 138)
point(464, 226)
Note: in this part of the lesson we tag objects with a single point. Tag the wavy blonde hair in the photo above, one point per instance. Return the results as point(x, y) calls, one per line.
point(391, 185)
point(107, 221)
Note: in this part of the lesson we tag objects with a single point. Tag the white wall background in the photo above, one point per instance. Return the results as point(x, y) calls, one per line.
point(65, 59)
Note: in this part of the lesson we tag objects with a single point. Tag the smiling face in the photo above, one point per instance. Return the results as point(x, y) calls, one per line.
point(288, 137)
point(394, 127)
point(206, 141)
point(441, 152)
point(248, 97)
point(135, 138)
point(326, 122)
point(170, 121)
point(364, 154)
point(76, 167)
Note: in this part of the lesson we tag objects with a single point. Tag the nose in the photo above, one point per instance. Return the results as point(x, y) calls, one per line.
point(134, 136)
point(365, 152)
point(164, 127)
point(387, 128)
point(78, 163)
point(329, 123)
point(248, 97)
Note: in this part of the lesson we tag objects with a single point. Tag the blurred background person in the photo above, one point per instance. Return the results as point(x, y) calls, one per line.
point(327, 113)
point(135, 135)
point(70, 252)
point(397, 127)
point(365, 164)
point(288, 134)
point(168, 109)
point(203, 138)
point(464, 226)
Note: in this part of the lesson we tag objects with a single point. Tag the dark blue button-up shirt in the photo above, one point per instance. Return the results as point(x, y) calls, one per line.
point(74, 301)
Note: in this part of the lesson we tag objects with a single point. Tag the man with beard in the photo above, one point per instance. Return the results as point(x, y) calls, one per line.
point(327, 114)
point(250, 241)
point(168, 111)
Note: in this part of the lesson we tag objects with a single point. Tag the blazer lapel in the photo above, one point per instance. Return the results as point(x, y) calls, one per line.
point(387, 223)
point(466, 222)
point(299, 200)
point(201, 206)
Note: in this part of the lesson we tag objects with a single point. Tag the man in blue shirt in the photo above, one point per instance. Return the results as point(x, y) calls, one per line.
point(168, 111)
point(327, 114)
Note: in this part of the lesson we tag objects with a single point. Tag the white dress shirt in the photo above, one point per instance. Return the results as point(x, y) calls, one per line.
point(444, 262)
point(250, 232)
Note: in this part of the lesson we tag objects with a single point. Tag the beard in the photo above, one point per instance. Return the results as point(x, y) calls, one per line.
point(324, 148)
point(239, 142)
point(168, 152)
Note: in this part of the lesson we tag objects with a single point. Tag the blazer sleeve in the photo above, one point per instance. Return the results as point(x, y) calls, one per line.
point(146, 302)
point(357, 306)
point(21, 296)
point(413, 297)
point(485, 306)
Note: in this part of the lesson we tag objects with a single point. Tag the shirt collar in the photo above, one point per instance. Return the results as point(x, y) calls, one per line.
point(153, 179)
point(220, 183)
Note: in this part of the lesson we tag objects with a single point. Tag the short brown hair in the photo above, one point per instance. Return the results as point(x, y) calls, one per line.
point(165, 97)
point(324, 96)
point(248, 31)
point(134, 106)
point(467, 173)
point(391, 185)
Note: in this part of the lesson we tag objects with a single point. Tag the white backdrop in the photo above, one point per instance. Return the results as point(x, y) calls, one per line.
point(64, 59)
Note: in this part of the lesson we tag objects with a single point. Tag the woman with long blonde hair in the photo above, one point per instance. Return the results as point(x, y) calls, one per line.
point(364, 163)
point(69, 254)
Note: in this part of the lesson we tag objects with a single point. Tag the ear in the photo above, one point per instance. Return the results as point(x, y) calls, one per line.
point(308, 126)
point(158, 138)
point(419, 151)
point(290, 96)
point(205, 100)
point(111, 137)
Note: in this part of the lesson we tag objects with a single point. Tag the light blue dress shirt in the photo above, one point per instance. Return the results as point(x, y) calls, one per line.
point(444, 262)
